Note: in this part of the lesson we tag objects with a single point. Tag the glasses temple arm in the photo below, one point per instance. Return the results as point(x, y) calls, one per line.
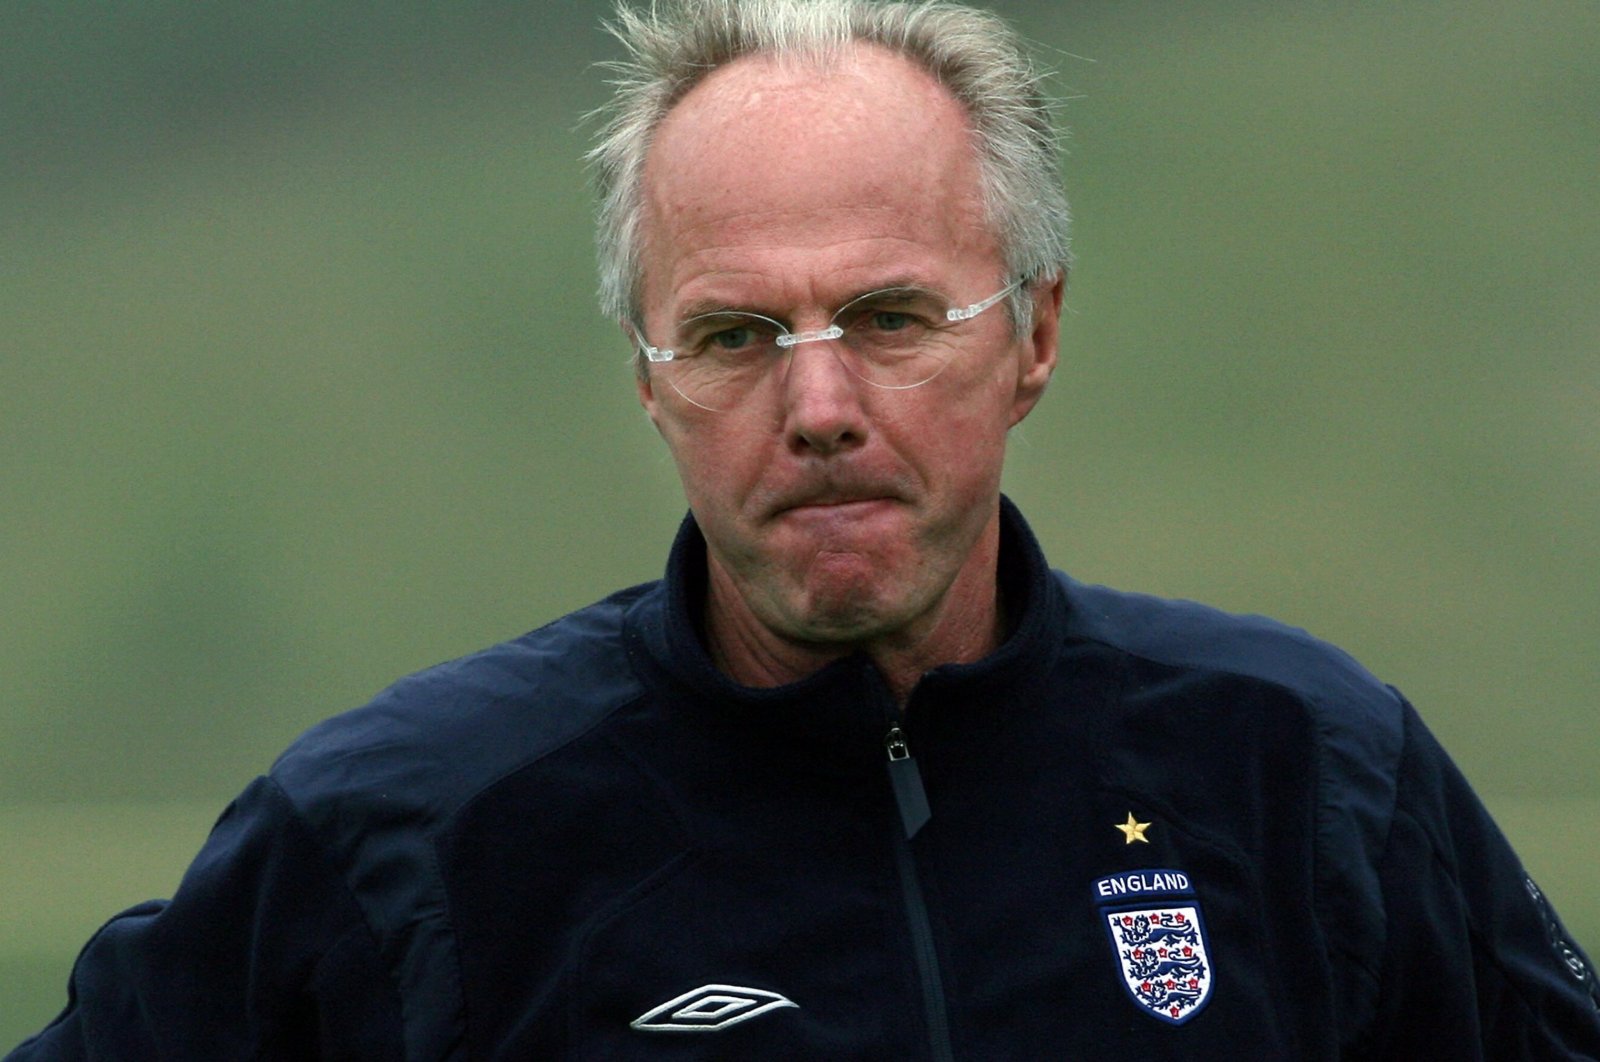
point(958, 313)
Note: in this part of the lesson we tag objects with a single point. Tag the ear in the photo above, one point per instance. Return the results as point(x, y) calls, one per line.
point(647, 397)
point(1036, 357)
point(642, 383)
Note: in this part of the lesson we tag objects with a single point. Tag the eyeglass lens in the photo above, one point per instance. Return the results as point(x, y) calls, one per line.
point(897, 338)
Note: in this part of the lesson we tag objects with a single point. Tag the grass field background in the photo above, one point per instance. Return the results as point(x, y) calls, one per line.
point(302, 387)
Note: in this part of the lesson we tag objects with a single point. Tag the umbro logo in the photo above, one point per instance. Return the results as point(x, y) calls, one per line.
point(709, 1008)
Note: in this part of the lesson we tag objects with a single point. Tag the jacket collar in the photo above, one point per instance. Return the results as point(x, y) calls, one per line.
point(847, 704)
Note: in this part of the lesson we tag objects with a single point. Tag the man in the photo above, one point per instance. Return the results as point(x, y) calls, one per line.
point(861, 777)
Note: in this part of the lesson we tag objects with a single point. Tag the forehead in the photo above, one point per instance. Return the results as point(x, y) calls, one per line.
point(798, 175)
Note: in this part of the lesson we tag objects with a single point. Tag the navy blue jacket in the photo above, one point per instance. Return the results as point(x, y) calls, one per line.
point(1139, 829)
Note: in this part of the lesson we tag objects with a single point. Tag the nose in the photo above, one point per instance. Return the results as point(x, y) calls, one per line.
point(823, 413)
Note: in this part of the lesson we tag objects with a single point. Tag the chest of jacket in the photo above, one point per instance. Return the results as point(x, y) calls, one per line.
point(662, 888)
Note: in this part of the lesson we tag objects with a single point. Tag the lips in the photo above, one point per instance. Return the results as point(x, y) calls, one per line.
point(859, 506)
point(836, 503)
point(839, 488)
point(833, 497)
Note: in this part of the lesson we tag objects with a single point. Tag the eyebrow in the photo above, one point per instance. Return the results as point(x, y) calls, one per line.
point(711, 307)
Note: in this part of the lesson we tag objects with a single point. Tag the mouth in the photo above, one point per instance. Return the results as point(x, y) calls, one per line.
point(838, 496)
point(835, 507)
point(835, 500)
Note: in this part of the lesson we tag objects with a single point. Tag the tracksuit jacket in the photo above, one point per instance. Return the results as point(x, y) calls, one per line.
point(1138, 830)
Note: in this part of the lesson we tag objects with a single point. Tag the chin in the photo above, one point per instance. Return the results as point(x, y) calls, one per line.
point(851, 618)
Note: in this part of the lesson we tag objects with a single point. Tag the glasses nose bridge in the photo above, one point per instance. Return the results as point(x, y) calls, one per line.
point(790, 340)
point(828, 335)
point(787, 341)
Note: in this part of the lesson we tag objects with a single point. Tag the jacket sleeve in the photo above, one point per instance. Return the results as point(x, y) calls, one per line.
point(1476, 964)
point(261, 954)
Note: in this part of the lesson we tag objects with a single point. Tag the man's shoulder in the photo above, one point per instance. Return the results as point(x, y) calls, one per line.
point(1192, 651)
point(1357, 725)
point(435, 737)
point(1173, 633)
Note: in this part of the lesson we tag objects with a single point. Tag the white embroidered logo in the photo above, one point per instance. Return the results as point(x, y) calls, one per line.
point(708, 1008)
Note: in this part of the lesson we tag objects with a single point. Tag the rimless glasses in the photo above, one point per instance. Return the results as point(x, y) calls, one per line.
point(897, 338)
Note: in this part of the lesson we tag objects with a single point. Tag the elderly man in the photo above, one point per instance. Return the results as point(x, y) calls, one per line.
point(860, 777)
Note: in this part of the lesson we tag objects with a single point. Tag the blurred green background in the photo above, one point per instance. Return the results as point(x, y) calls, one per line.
point(302, 386)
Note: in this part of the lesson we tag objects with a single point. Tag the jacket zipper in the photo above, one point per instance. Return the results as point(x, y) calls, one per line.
point(912, 801)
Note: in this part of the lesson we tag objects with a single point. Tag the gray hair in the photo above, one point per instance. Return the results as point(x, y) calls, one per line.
point(973, 54)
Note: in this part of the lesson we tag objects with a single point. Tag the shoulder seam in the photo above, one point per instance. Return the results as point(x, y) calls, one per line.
point(337, 870)
point(1373, 976)
point(1474, 930)
point(588, 728)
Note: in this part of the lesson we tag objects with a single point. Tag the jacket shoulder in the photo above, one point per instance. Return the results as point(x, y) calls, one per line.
point(379, 786)
point(1190, 635)
point(1359, 730)
point(434, 738)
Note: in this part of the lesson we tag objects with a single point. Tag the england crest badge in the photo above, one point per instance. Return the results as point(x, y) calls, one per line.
point(1160, 943)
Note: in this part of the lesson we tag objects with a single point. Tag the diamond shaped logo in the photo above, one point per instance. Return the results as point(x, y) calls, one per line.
point(709, 1008)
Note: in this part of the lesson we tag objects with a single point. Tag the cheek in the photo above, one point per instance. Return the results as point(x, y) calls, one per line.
point(714, 465)
point(965, 464)
point(970, 431)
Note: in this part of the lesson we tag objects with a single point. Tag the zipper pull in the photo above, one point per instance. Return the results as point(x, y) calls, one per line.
point(907, 783)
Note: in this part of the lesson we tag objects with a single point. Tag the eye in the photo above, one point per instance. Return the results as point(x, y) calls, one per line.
point(732, 338)
point(898, 312)
point(729, 335)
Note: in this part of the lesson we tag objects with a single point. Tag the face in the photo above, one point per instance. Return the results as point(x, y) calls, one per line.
point(835, 512)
